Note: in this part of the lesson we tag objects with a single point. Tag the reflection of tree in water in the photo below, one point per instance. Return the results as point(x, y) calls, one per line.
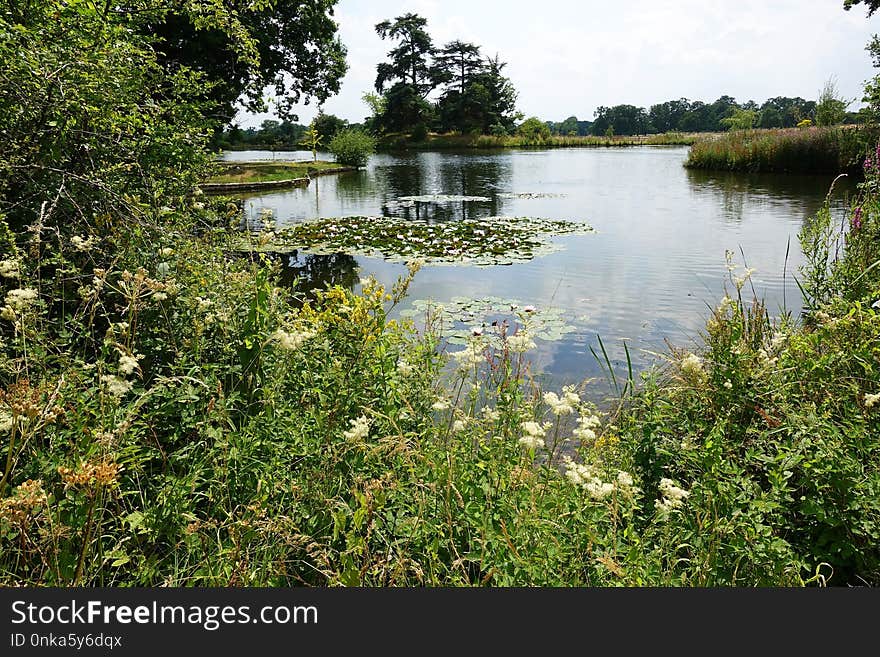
point(804, 192)
point(312, 272)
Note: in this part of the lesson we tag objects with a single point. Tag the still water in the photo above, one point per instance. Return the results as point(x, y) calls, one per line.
point(650, 273)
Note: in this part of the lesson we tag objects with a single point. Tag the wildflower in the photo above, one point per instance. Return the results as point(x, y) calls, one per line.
point(199, 205)
point(520, 342)
point(529, 309)
point(469, 357)
point(9, 268)
point(728, 384)
point(585, 429)
point(692, 366)
point(558, 406)
point(725, 305)
point(587, 477)
point(739, 281)
point(166, 252)
point(491, 414)
point(360, 429)
point(534, 435)
point(6, 421)
point(857, 218)
point(458, 426)
point(440, 405)
point(19, 298)
point(673, 497)
point(82, 244)
point(159, 296)
point(404, 368)
point(128, 364)
point(26, 497)
point(204, 304)
point(116, 386)
point(624, 479)
point(871, 400)
point(293, 340)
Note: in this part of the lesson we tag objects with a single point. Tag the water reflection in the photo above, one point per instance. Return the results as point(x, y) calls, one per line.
point(310, 272)
point(651, 272)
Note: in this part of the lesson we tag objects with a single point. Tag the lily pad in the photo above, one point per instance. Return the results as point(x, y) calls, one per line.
point(492, 317)
point(480, 242)
point(529, 195)
point(442, 198)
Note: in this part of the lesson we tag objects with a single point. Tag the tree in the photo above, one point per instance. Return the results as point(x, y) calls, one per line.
point(623, 119)
point(741, 119)
point(534, 130)
point(872, 5)
point(500, 110)
point(409, 59)
point(408, 72)
point(328, 125)
point(242, 47)
point(457, 62)
point(830, 109)
point(312, 139)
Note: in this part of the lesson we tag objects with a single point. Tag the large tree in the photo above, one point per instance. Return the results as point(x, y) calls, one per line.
point(243, 47)
point(409, 59)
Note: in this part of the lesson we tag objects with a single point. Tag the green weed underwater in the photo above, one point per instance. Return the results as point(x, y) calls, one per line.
point(169, 415)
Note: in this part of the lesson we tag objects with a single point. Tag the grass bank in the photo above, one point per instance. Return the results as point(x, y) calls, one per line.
point(273, 171)
point(460, 141)
point(793, 150)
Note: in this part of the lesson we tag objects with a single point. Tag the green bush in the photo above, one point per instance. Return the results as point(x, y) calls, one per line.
point(352, 147)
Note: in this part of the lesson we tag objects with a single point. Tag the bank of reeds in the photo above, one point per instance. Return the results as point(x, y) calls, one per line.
point(831, 150)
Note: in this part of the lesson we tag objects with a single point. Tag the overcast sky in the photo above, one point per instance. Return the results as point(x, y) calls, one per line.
point(567, 57)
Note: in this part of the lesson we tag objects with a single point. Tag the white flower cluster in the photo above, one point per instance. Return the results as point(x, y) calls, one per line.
point(115, 385)
point(490, 414)
point(360, 429)
point(16, 301)
point(673, 496)
point(534, 435)
point(692, 366)
point(9, 268)
point(128, 364)
point(590, 479)
point(564, 405)
point(871, 400)
point(83, 243)
point(586, 428)
point(404, 368)
point(471, 356)
point(520, 342)
point(458, 426)
point(440, 405)
point(6, 421)
point(291, 341)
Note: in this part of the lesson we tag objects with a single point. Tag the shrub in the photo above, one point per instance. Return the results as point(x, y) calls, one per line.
point(352, 147)
point(534, 130)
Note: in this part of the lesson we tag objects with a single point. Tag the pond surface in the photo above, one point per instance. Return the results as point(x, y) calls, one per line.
point(650, 272)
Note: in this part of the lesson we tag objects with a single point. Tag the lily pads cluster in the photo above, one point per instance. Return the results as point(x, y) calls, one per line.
point(529, 195)
point(481, 242)
point(443, 198)
point(463, 317)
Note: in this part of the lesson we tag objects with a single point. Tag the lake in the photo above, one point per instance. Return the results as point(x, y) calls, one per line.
point(650, 272)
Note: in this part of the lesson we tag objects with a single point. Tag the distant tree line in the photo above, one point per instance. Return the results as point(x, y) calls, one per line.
point(283, 135)
point(726, 113)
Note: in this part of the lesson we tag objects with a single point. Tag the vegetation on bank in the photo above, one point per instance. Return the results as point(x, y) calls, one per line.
point(171, 415)
point(255, 172)
point(465, 141)
point(796, 150)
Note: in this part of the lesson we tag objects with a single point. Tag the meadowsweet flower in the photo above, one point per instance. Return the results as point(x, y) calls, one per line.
point(293, 340)
point(19, 298)
point(360, 429)
point(6, 421)
point(624, 479)
point(116, 386)
point(458, 426)
point(692, 366)
point(9, 268)
point(440, 405)
point(82, 243)
point(740, 281)
point(558, 406)
point(128, 364)
point(491, 414)
point(725, 305)
point(204, 304)
point(469, 357)
point(673, 497)
point(728, 384)
point(871, 400)
point(534, 435)
point(159, 296)
point(585, 430)
point(404, 368)
point(520, 342)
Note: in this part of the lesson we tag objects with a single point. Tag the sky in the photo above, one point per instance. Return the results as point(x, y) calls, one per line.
point(569, 57)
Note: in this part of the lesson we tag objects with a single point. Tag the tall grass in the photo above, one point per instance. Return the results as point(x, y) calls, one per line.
point(793, 150)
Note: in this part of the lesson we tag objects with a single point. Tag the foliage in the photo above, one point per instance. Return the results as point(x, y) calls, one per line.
point(740, 120)
point(328, 125)
point(352, 147)
point(312, 139)
point(242, 47)
point(796, 150)
point(830, 110)
point(533, 130)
